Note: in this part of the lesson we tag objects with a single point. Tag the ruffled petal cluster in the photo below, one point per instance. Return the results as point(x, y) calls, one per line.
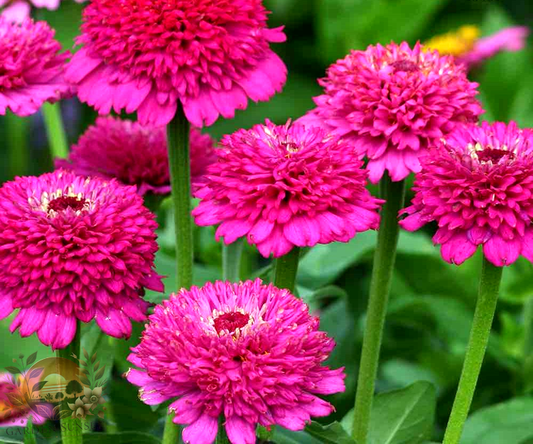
point(134, 154)
point(148, 55)
point(478, 187)
point(74, 248)
point(286, 186)
point(19, 10)
point(247, 351)
point(393, 103)
point(32, 67)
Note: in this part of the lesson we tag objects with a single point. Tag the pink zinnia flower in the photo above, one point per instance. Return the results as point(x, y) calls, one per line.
point(74, 248)
point(146, 55)
point(134, 154)
point(478, 186)
point(286, 186)
point(16, 403)
point(18, 10)
point(247, 351)
point(32, 68)
point(393, 103)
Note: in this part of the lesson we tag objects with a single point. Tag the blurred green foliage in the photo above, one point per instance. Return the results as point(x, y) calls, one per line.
point(432, 302)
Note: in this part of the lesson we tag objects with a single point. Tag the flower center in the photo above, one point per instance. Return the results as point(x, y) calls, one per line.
point(63, 202)
point(493, 155)
point(404, 65)
point(231, 321)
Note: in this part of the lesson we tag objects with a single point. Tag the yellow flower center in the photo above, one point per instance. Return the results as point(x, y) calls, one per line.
point(455, 43)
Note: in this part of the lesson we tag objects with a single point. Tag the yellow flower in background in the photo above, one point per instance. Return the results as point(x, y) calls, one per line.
point(455, 43)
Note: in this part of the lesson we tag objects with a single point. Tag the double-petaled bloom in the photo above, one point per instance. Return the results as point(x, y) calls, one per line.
point(393, 103)
point(284, 187)
point(74, 248)
point(148, 55)
point(134, 154)
point(477, 185)
point(248, 353)
point(32, 67)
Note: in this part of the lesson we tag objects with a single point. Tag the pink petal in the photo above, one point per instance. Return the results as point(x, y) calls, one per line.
point(457, 249)
point(114, 323)
point(6, 306)
point(240, 431)
point(57, 330)
point(202, 431)
point(502, 252)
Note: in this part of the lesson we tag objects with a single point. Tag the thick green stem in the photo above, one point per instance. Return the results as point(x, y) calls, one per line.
point(231, 260)
point(384, 258)
point(528, 328)
point(180, 178)
point(57, 138)
point(477, 345)
point(222, 437)
point(286, 269)
point(17, 141)
point(71, 428)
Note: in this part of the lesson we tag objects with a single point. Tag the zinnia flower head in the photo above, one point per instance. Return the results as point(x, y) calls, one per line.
point(134, 154)
point(74, 249)
point(32, 67)
point(393, 103)
point(471, 50)
point(18, 10)
point(478, 186)
point(247, 351)
point(286, 186)
point(146, 55)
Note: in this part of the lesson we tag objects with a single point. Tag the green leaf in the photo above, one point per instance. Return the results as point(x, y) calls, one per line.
point(29, 435)
point(31, 359)
point(331, 434)
point(120, 438)
point(100, 373)
point(284, 436)
point(510, 422)
point(403, 416)
point(13, 370)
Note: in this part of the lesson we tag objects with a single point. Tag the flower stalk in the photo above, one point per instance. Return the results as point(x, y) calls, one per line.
point(477, 345)
point(384, 258)
point(286, 270)
point(180, 179)
point(55, 130)
point(71, 427)
point(231, 260)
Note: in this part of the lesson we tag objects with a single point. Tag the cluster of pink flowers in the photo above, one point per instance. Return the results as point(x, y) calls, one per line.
point(135, 155)
point(248, 351)
point(286, 186)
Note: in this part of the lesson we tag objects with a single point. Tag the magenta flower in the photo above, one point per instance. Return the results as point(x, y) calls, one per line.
point(146, 55)
point(508, 39)
point(247, 351)
point(32, 67)
point(74, 249)
point(393, 103)
point(18, 10)
point(286, 186)
point(134, 154)
point(478, 186)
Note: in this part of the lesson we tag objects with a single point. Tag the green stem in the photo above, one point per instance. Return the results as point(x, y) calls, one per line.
point(17, 141)
point(55, 130)
point(29, 434)
point(180, 179)
point(231, 260)
point(286, 269)
point(475, 352)
point(71, 428)
point(528, 328)
point(384, 258)
point(222, 437)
